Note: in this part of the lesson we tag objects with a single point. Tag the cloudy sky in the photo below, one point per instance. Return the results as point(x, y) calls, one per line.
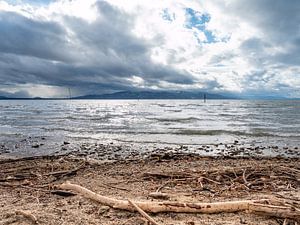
point(248, 48)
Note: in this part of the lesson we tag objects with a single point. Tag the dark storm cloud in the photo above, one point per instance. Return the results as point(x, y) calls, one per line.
point(23, 36)
point(97, 56)
point(105, 53)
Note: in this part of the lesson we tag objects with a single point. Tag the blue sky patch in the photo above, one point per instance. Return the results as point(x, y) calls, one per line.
point(198, 20)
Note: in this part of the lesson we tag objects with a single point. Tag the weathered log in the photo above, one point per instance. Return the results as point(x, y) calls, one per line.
point(143, 213)
point(251, 206)
point(274, 211)
point(28, 215)
point(166, 206)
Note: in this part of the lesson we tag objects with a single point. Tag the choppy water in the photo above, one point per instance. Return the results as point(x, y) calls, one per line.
point(182, 122)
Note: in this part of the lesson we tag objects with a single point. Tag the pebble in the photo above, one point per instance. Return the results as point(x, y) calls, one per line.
point(35, 146)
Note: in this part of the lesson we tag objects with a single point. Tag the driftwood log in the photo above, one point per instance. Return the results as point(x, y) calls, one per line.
point(28, 215)
point(252, 206)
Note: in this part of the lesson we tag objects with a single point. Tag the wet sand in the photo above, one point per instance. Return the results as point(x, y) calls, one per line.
point(30, 184)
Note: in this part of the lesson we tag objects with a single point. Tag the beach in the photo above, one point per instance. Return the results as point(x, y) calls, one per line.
point(177, 112)
point(31, 184)
point(182, 153)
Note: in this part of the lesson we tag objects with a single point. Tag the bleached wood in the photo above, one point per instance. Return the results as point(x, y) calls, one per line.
point(165, 206)
point(28, 215)
point(143, 213)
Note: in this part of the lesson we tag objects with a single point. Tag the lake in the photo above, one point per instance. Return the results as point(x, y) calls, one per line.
point(149, 123)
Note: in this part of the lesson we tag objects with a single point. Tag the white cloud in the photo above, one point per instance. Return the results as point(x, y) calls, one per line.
point(244, 46)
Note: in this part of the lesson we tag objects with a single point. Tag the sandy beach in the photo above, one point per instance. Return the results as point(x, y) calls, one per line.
point(31, 185)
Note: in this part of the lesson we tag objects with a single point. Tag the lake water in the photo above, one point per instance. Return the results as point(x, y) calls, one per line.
point(151, 122)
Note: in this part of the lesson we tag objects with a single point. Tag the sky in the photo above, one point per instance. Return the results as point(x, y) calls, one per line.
point(240, 47)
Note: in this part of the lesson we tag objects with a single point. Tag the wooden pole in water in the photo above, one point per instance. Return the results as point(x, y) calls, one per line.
point(70, 96)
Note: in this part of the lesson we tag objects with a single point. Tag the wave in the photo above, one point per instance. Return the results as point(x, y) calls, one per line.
point(224, 132)
point(86, 117)
point(175, 120)
point(173, 110)
point(163, 105)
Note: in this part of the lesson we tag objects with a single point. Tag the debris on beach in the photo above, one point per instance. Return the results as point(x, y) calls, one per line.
point(165, 188)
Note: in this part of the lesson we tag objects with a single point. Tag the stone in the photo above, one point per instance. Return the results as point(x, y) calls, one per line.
point(35, 146)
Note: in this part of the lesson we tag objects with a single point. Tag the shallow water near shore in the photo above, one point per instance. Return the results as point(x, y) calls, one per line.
point(269, 128)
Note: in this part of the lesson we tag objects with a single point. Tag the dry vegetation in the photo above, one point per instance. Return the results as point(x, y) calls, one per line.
point(29, 188)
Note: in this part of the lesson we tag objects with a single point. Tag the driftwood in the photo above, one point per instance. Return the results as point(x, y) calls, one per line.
point(28, 215)
point(274, 211)
point(262, 177)
point(25, 176)
point(253, 206)
point(159, 195)
point(143, 213)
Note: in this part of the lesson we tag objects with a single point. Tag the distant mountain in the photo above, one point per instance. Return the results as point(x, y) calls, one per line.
point(154, 95)
point(35, 98)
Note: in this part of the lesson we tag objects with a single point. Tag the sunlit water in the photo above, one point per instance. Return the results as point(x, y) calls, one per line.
point(152, 122)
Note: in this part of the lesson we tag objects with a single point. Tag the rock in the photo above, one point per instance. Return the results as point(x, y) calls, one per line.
point(191, 223)
point(103, 209)
point(242, 220)
point(66, 143)
point(158, 195)
point(235, 142)
point(35, 146)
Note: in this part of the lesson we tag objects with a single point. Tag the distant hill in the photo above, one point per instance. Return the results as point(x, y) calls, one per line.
point(154, 95)
point(3, 97)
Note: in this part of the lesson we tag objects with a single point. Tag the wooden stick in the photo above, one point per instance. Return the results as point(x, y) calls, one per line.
point(252, 206)
point(143, 213)
point(165, 206)
point(274, 211)
point(28, 215)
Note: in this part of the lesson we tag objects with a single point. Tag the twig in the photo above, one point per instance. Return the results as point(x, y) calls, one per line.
point(143, 213)
point(163, 185)
point(202, 178)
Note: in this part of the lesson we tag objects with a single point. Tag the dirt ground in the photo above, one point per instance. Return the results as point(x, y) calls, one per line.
point(30, 184)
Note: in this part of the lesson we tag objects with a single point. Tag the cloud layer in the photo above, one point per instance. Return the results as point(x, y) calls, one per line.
point(236, 46)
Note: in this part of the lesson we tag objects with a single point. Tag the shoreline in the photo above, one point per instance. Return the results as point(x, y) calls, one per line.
point(29, 184)
point(108, 150)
